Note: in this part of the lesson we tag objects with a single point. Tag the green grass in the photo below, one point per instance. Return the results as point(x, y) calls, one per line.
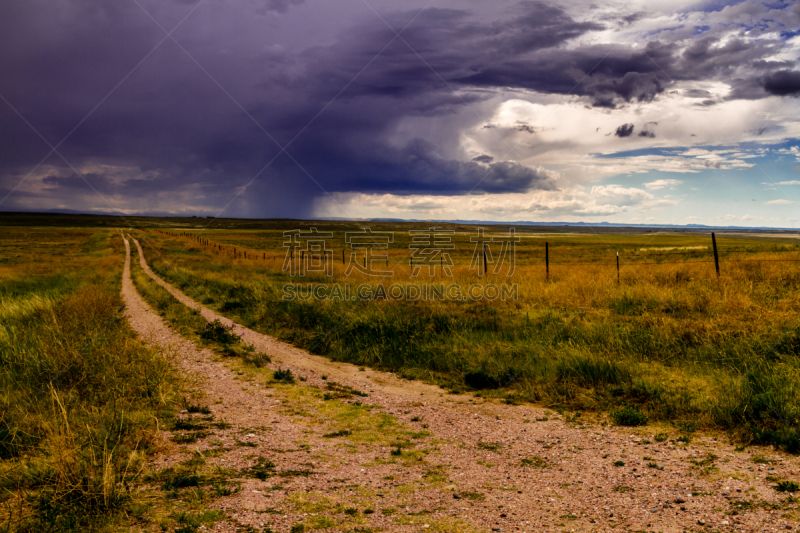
point(81, 396)
point(670, 341)
point(787, 486)
point(190, 323)
point(629, 416)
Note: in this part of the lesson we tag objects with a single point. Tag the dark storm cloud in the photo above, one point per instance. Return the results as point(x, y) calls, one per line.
point(418, 169)
point(454, 48)
point(608, 75)
point(697, 93)
point(281, 6)
point(614, 75)
point(624, 131)
point(169, 130)
point(170, 121)
point(783, 83)
point(97, 182)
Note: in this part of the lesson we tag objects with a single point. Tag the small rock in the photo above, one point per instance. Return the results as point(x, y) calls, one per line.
point(701, 522)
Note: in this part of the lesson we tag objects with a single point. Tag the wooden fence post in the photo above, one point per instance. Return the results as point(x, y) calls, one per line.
point(716, 255)
point(617, 268)
point(547, 261)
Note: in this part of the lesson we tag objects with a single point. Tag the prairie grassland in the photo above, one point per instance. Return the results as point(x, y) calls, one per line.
point(670, 339)
point(80, 394)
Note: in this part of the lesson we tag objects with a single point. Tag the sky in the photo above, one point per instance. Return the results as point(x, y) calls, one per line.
point(657, 112)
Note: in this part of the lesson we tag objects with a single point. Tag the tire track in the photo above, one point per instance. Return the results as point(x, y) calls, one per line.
point(288, 355)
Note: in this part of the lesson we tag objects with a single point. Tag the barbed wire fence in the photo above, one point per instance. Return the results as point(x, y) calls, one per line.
point(564, 256)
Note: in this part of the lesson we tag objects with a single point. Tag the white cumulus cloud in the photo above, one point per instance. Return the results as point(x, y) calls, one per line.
point(662, 184)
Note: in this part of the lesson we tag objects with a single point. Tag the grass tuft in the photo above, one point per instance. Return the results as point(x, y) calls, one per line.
point(629, 416)
point(284, 376)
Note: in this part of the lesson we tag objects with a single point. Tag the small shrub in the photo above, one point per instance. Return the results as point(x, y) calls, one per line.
point(218, 332)
point(195, 408)
point(629, 416)
point(397, 451)
point(257, 360)
point(481, 380)
point(284, 376)
point(661, 437)
point(787, 486)
point(619, 463)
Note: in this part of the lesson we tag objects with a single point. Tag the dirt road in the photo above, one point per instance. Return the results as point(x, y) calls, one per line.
point(348, 450)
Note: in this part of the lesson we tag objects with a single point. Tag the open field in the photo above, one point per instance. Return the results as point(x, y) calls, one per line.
point(91, 439)
point(669, 340)
point(81, 395)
